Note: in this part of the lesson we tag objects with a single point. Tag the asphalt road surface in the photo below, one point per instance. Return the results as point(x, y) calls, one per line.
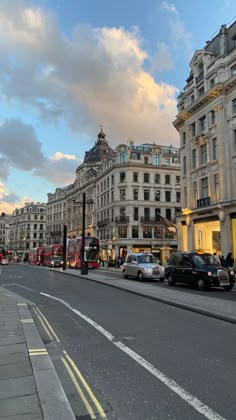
point(123, 356)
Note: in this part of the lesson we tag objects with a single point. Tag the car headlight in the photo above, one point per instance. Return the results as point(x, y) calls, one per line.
point(148, 270)
point(232, 273)
point(210, 273)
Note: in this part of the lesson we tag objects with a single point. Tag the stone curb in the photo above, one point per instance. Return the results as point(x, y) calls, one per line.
point(53, 400)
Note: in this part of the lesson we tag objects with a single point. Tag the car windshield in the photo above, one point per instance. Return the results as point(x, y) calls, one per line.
point(147, 259)
point(209, 259)
point(198, 260)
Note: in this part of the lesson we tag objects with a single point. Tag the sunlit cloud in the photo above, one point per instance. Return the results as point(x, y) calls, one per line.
point(58, 155)
point(9, 201)
point(94, 77)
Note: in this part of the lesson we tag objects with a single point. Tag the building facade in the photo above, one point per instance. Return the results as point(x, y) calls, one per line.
point(137, 197)
point(4, 231)
point(27, 228)
point(132, 196)
point(206, 122)
point(56, 215)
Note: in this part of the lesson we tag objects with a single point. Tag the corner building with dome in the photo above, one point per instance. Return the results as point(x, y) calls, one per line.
point(133, 194)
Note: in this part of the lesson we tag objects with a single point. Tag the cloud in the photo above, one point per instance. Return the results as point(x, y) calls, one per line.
point(170, 7)
point(19, 145)
point(10, 200)
point(179, 37)
point(4, 168)
point(60, 171)
point(162, 59)
point(95, 77)
point(20, 149)
point(59, 155)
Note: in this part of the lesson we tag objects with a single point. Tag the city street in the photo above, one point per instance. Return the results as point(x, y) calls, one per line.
point(133, 357)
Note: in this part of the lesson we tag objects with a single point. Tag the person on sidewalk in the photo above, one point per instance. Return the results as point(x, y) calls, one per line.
point(118, 262)
point(223, 261)
point(217, 257)
point(230, 260)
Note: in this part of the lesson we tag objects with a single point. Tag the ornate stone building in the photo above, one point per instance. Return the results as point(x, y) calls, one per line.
point(132, 196)
point(206, 123)
point(27, 228)
point(4, 231)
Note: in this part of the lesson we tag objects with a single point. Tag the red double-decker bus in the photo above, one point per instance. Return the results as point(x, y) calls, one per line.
point(35, 256)
point(51, 251)
point(91, 252)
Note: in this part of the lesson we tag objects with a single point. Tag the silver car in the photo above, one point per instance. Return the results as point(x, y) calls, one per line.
point(143, 266)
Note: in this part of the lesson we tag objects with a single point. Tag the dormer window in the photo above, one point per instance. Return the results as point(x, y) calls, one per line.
point(234, 41)
point(200, 74)
point(212, 82)
point(233, 70)
point(201, 91)
point(122, 157)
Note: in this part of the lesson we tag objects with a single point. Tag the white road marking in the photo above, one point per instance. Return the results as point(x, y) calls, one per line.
point(186, 396)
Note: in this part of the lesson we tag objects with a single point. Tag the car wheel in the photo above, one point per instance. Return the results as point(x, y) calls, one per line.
point(202, 285)
point(228, 288)
point(125, 275)
point(171, 281)
point(140, 276)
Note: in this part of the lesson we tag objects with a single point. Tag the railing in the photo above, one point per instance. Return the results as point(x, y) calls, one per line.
point(152, 220)
point(122, 219)
point(56, 233)
point(200, 77)
point(203, 202)
point(103, 222)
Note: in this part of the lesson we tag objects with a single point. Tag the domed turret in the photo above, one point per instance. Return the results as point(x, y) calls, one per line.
point(100, 150)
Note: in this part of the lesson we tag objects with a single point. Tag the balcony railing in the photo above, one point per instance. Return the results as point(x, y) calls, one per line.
point(151, 220)
point(200, 77)
point(122, 219)
point(103, 222)
point(56, 233)
point(203, 202)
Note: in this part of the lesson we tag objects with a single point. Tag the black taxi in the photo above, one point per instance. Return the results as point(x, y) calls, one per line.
point(200, 270)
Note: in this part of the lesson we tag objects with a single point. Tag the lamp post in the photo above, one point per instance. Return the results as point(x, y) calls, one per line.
point(64, 246)
point(83, 265)
point(83, 261)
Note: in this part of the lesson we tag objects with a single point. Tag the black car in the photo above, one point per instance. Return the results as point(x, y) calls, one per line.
point(56, 261)
point(200, 270)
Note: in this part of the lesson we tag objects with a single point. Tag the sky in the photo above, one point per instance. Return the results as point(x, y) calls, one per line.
point(68, 67)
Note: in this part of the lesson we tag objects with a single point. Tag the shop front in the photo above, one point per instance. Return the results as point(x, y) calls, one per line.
point(217, 233)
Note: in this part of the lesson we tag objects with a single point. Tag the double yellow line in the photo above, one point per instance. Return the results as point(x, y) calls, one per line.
point(45, 324)
point(74, 372)
point(38, 352)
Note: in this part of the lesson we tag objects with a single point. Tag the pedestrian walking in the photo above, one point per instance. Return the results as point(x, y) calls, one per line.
point(217, 257)
point(223, 261)
point(118, 262)
point(230, 260)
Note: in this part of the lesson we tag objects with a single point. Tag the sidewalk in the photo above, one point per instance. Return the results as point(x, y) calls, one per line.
point(29, 386)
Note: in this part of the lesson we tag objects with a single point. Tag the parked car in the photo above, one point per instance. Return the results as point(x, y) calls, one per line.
point(4, 261)
point(200, 270)
point(143, 266)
